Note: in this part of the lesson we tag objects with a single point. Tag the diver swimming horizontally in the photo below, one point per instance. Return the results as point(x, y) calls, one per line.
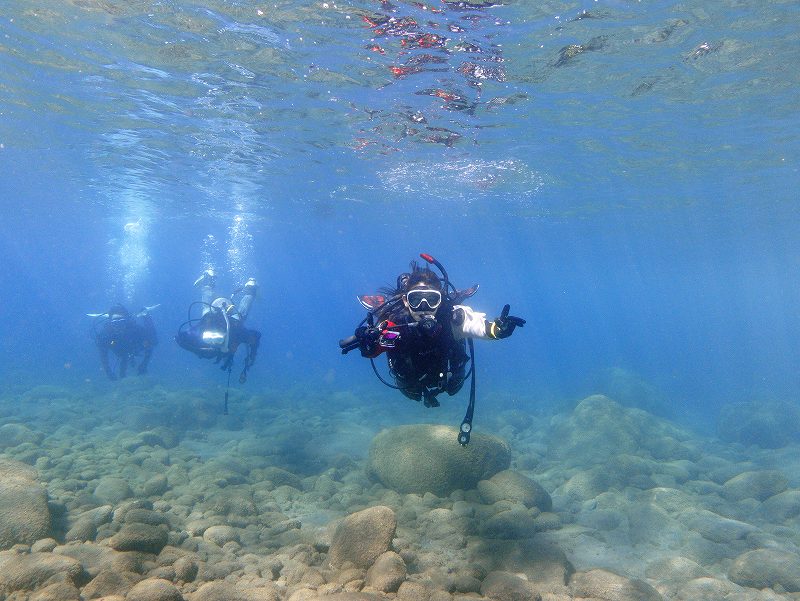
point(424, 330)
point(220, 330)
point(126, 336)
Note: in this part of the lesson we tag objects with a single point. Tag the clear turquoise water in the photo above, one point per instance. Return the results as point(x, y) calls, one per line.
point(626, 178)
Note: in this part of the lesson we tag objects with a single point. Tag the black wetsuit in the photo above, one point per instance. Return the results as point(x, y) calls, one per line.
point(127, 338)
point(428, 361)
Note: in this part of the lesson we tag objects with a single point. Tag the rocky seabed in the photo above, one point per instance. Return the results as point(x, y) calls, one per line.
point(146, 494)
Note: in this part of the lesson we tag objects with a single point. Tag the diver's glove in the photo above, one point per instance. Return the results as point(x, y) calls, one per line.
point(503, 326)
point(367, 337)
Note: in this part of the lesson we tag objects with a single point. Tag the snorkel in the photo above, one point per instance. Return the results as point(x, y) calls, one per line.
point(430, 259)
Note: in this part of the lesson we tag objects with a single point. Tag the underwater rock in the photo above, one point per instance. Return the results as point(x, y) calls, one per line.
point(597, 429)
point(216, 591)
point(586, 485)
point(24, 513)
point(767, 424)
point(227, 591)
point(217, 569)
point(716, 528)
point(503, 586)
point(139, 515)
point(44, 545)
point(419, 591)
point(781, 507)
point(362, 537)
point(707, 588)
point(345, 596)
point(600, 428)
point(608, 586)
point(677, 568)
point(511, 524)
point(83, 530)
point(139, 537)
point(281, 477)
point(650, 524)
point(441, 524)
point(96, 558)
point(219, 535)
point(631, 390)
point(112, 490)
point(544, 563)
point(154, 589)
point(512, 486)
point(670, 500)
point(767, 568)
point(110, 582)
point(85, 525)
point(58, 591)
point(387, 573)
point(27, 572)
point(759, 485)
point(12, 435)
point(425, 458)
point(155, 486)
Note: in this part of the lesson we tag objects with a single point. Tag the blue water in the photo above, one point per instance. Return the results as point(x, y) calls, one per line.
point(628, 184)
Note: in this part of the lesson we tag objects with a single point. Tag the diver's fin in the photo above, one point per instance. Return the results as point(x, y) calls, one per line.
point(461, 295)
point(146, 310)
point(207, 278)
point(371, 301)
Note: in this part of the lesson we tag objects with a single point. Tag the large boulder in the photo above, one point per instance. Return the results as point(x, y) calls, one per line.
point(503, 586)
point(599, 429)
point(362, 537)
point(760, 485)
point(426, 458)
point(608, 586)
point(768, 424)
point(781, 507)
point(12, 435)
point(28, 572)
point(509, 485)
point(387, 573)
point(767, 568)
point(510, 524)
point(112, 490)
point(154, 589)
point(139, 537)
point(24, 514)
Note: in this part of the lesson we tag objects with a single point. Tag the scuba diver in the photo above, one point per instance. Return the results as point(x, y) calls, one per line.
point(125, 335)
point(424, 329)
point(220, 329)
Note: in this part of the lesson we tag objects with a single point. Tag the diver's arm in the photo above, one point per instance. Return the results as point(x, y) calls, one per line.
point(468, 323)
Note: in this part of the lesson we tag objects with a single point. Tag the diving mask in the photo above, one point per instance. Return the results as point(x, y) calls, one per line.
point(416, 298)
